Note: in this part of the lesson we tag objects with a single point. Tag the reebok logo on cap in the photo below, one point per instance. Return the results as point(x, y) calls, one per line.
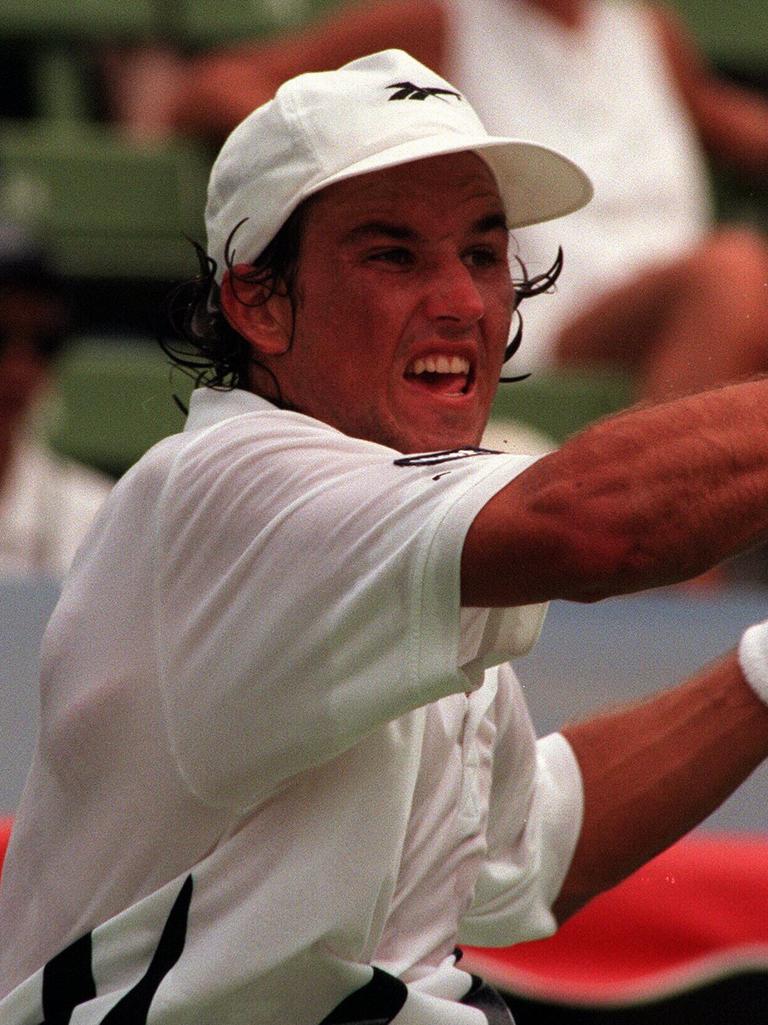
point(409, 91)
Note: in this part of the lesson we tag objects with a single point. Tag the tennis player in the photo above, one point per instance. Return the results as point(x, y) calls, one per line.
point(284, 766)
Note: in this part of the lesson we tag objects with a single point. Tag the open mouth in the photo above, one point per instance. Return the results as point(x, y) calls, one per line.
point(441, 373)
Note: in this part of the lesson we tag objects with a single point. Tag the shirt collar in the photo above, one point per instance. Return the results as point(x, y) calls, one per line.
point(209, 406)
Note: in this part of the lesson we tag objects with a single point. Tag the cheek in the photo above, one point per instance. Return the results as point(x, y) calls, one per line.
point(350, 327)
point(498, 293)
point(363, 331)
point(331, 306)
point(498, 323)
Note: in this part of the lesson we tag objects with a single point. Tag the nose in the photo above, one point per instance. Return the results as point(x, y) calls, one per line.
point(453, 296)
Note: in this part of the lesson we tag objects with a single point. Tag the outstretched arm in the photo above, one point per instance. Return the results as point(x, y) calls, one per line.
point(732, 121)
point(654, 770)
point(650, 497)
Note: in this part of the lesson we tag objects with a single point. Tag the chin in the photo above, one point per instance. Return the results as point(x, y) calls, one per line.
point(439, 441)
point(407, 435)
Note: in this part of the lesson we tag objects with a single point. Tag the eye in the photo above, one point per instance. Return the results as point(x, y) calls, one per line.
point(483, 256)
point(395, 255)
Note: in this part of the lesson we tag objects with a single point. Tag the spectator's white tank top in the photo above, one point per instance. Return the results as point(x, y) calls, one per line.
point(603, 96)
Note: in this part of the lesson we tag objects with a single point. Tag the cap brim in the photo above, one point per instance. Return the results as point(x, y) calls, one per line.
point(536, 183)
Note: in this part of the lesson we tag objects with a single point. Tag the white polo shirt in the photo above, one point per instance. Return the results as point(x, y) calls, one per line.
point(276, 760)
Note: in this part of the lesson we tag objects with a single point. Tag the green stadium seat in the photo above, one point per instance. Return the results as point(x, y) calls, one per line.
point(114, 401)
point(107, 208)
point(560, 403)
point(59, 35)
point(738, 200)
point(201, 24)
point(734, 33)
point(49, 20)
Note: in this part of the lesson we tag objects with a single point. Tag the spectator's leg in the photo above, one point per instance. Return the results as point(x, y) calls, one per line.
point(717, 330)
point(684, 326)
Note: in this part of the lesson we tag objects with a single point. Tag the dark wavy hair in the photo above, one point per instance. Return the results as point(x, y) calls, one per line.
point(205, 345)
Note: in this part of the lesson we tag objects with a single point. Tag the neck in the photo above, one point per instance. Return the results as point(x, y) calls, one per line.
point(570, 13)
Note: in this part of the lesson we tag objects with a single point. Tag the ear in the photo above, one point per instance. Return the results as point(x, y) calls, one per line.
point(264, 321)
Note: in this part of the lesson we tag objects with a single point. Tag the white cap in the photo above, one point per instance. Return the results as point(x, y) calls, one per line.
point(376, 112)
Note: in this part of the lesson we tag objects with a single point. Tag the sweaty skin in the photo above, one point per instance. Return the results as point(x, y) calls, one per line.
point(403, 265)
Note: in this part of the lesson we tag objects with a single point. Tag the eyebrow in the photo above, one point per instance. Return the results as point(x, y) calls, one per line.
point(493, 222)
point(377, 229)
point(401, 233)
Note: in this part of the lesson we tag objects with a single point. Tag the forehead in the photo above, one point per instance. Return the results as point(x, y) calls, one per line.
point(454, 187)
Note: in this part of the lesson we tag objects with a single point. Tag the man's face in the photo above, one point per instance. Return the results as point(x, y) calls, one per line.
point(403, 305)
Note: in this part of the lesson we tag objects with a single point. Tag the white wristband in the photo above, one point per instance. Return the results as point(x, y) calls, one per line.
point(753, 658)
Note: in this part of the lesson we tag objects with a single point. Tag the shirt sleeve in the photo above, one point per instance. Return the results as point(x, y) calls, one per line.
point(534, 823)
point(307, 591)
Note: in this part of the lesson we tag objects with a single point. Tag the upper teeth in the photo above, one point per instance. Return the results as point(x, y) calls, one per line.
point(440, 365)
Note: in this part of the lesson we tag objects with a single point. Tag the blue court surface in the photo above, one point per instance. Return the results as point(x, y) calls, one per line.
point(620, 649)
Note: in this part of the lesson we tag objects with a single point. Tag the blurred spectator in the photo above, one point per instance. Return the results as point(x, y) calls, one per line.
point(46, 502)
point(649, 283)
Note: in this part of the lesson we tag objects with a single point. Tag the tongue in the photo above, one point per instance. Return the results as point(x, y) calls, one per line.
point(442, 383)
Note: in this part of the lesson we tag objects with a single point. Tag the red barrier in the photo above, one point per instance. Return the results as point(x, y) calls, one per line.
point(696, 913)
point(5, 836)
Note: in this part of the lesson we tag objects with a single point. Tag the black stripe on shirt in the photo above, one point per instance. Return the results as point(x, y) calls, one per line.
point(67, 982)
point(376, 1003)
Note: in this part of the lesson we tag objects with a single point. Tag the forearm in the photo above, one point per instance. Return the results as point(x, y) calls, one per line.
point(358, 28)
point(732, 121)
point(733, 125)
point(648, 498)
point(223, 87)
point(653, 771)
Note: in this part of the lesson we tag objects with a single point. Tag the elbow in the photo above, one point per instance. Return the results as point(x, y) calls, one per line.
point(566, 905)
point(592, 568)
